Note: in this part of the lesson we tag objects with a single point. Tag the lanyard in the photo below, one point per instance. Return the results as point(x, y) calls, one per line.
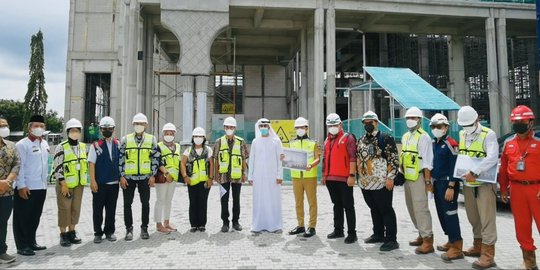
point(523, 155)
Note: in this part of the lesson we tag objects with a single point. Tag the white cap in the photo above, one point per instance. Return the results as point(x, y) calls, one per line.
point(301, 122)
point(169, 126)
point(369, 115)
point(140, 118)
point(198, 131)
point(467, 115)
point(438, 119)
point(73, 123)
point(106, 121)
point(333, 119)
point(414, 112)
point(229, 121)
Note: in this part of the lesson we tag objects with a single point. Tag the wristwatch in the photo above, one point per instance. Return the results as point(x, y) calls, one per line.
point(450, 187)
point(428, 182)
point(474, 174)
point(351, 175)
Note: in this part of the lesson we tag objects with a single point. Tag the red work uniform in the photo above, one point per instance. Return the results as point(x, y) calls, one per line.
point(524, 181)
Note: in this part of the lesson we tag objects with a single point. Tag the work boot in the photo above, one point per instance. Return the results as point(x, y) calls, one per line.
point(426, 247)
point(129, 234)
point(487, 258)
point(529, 259)
point(454, 252)
point(475, 250)
point(73, 238)
point(416, 242)
point(444, 247)
point(236, 226)
point(64, 239)
point(144, 233)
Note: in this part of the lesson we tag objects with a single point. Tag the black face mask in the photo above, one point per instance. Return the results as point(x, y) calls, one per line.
point(73, 142)
point(520, 128)
point(107, 133)
point(369, 128)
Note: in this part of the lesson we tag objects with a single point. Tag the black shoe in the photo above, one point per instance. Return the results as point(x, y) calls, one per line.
point(225, 228)
point(202, 229)
point(129, 234)
point(236, 226)
point(335, 235)
point(351, 238)
point(64, 239)
point(98, 239)
point(309, 233)
point(37, 247)
point(144, 233)
point(388, 246)
point(373, 239)
point(297, 230)
point(26, 252)
point(111, 237)
point(73, 237)
point(193, 229)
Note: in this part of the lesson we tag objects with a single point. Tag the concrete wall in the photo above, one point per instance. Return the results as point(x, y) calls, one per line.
point(264, 92)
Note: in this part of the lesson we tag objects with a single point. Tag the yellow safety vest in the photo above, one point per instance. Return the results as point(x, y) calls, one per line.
point(200, 172)
point(138, 160)
point(475, 150)
point(171, 160)
point(410, 158)
point(308, 146)
point(225, 158)
point(75, 167)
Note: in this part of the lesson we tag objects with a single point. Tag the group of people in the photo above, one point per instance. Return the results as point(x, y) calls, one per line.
point(139, 161)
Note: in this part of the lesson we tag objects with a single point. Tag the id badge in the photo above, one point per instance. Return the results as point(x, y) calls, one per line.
point(78, 167)
point(520, 166)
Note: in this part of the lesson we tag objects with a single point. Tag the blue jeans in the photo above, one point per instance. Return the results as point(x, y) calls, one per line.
point(447, 210)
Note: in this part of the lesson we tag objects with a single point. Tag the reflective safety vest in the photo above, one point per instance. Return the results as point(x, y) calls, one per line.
point(75, 167)
point(308, 146)
point(410, 158)
point(199, 165)
point(171, 160)
point(475, 150)
point(233, 158)
point(138, 161)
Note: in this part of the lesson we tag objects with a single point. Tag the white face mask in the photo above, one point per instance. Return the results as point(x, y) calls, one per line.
point(300, 132)
point(38, 132)
point(198, 141)
point(168, 138)
point(74, 135)
point(411, 123)
point(438, 132)
point(470, 130)
point(138, 128)
point(4, 132)
point(333, 130)
point(229, 132)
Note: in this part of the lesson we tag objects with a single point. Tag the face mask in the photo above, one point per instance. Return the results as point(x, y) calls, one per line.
point(4, 132)
point(520, 128)
point(333, 130)
point(139, 128)
point(38, 132)
point(438, 132)
point(168, 138)
point(107, 133)
point(369, 128)
point(411, 123)
point(229, 132)
point(74, 135)
point(198, 141)
point(469, 130)
point(300, 132)
point(264, 131)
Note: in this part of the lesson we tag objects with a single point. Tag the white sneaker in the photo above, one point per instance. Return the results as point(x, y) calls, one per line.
point(5, 258)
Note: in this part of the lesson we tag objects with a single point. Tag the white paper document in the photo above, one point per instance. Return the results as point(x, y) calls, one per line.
point(465, 163)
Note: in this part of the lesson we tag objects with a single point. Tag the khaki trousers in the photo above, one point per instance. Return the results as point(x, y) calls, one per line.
point(417, 205)
point(69, 209)
point(481, 212)
point(309, 186)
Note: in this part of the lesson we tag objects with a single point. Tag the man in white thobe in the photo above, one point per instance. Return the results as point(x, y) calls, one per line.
point(266, 176)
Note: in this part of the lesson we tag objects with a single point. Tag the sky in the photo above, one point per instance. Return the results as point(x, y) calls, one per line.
point(20, 20)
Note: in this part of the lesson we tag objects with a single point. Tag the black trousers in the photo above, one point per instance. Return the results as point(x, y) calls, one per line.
point(6, 205)
point(105, 198)
point(144, 194)
point(343, 199)
point(26, 216)
point(236, 187)
point(198, 204)
point(382, 213)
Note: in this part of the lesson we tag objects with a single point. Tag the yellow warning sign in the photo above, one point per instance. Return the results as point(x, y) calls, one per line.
point(227, 108)
point(285, 130)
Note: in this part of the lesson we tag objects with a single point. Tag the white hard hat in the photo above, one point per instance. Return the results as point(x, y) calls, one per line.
point(467, 115)
point(438, 119)
point(369, 115)
point(106, 121)
point(333, 119)
point(169, 126)
point(230, 121)
point(198, 131)
point(140, 118)
point(73, 123)
point(301, 122)
point(414, 112)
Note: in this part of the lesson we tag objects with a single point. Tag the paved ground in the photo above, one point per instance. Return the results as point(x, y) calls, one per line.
point(214, 249)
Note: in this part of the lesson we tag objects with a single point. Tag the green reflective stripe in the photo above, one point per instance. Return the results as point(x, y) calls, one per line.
point(410, 158)
point(138, 160)
point(475, 150)
point(171, 159)
point(75, 167)
point(234, 159)
point(308, 146)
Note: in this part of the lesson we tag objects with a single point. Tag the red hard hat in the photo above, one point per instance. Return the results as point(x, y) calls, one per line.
point(521, 112)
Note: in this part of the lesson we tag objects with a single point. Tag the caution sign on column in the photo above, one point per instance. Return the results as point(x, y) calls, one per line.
point(285, 130)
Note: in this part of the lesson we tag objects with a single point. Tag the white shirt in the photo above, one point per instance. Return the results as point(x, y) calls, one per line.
point(92, 156)
point(199, 151)
point(425, 150)
point(491, 147)
point(34, 164)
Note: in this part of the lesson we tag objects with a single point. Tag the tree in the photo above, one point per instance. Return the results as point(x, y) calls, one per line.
point(54, 123)
point(11, 110)
point(35, 101)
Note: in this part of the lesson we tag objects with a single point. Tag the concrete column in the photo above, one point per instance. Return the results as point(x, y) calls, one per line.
point(303, 90)
point(149, 75)
point(506, 104)
point(384, 114)
point(331, 57)
point(493, 80)
point(201, 86)
point(187, 84)
point(131, 84)
point(423, 57)
point(459, 90)
point(318, 62)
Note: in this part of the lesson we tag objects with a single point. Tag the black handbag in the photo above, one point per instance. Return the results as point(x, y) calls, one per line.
point(399, 180)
